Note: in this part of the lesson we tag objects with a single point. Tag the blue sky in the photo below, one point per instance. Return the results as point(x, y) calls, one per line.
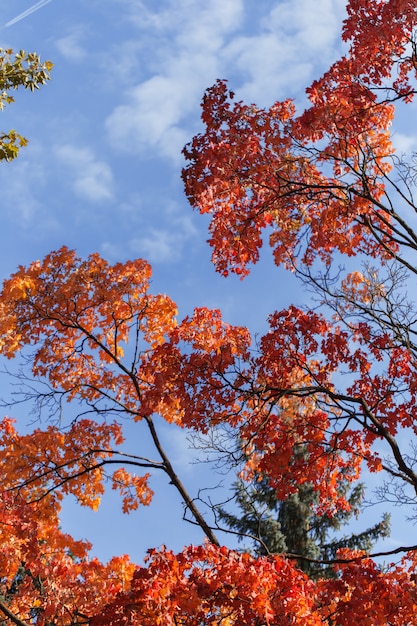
point(102, 169)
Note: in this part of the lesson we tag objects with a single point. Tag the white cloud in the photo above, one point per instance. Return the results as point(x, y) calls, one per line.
point(165, 245)
point(157, 247)
point(311, 26)
point(188, 48)
point(151, 117)
point(206, 28)
point(267, 67)
point(185, 17)
point(281, 57)
point(91, 178)
point(185, 61)
point(404, 144)
point(17, 195)
point(22, 182)
point(157, 244)
point(70, 46)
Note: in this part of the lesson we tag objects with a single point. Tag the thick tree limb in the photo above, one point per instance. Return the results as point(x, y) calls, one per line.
point(6, 611)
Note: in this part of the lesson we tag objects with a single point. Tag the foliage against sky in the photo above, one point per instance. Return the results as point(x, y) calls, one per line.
point(102, 170)
point(324, 181)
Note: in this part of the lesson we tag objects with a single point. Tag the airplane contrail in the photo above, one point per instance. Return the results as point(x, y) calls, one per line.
point(31, 9)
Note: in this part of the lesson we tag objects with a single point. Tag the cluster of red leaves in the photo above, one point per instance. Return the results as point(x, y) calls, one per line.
point(207, 585)
point(380, 32)
point(186, 377)
point(197, 373)
point(257, 168)
point(284, 400)
point(81, 316)
point(47, 578)
point(375, 597)
point(210, 585)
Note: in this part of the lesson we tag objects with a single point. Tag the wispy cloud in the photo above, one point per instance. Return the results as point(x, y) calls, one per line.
point(286, 48)
point(154, 111)
point(91, 178)
point(150, 117)
point(23, 182)
point(158, 244)
point(404, 144)
point(273, 56)
point(70, 46)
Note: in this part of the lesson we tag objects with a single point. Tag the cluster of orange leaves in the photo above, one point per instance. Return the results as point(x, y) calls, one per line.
point(45, 574)
point(207, 585)
point(81, 316)
point(100, 337)
point(48, 576)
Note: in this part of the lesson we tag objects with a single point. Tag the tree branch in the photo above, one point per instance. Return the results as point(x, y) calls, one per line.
point(12, 616)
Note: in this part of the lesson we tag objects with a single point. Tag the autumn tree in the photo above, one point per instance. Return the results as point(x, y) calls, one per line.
point(338, 383)
point(327, 183)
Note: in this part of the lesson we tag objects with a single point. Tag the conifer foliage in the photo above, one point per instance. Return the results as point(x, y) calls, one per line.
point(271, 526)
point(338, 383)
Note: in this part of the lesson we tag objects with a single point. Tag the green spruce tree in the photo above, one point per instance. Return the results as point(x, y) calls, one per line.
point(292, 526)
